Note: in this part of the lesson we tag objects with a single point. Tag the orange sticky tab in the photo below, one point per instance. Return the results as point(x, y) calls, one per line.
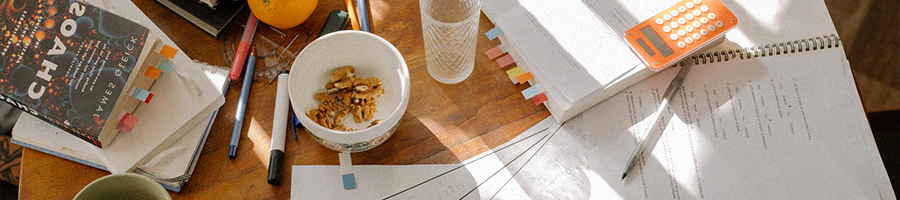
point(494, 53)
point(505, 61)
point(168, 51)
point(152, 72)
point(538, 99)
point(524, 77)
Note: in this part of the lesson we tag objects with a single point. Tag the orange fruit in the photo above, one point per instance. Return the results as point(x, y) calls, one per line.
point(282, 14)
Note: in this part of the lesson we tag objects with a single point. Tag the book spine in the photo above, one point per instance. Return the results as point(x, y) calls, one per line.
point(774, 49)
point(55, 122)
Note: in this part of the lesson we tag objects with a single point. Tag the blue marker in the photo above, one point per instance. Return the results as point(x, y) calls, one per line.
point(242, 104)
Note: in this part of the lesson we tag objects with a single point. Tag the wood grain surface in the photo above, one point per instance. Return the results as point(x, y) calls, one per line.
point(442, 124)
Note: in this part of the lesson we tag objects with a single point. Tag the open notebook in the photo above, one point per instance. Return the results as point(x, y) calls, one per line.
point(575, 49)
point(171, 168)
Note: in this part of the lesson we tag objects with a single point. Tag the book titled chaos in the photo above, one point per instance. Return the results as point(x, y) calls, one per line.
point(66, 62)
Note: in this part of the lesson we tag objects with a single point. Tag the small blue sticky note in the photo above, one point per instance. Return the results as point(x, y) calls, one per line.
point(140, 94)
point(493, 33)
point(530, 92)
point(165, 66)
point(349, 181)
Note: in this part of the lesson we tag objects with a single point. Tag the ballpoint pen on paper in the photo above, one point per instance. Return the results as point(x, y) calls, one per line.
point(667, 97)
point(242, 104)
point(279, 125)
point(241, 53)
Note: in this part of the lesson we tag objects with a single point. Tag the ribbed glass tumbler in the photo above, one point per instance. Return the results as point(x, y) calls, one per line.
point(449, 28)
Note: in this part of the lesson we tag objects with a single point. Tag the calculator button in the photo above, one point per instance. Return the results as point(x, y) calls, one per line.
point(696, 24)
point(682, 9)
point(674, 13)
point(681, 33)
point(711, 28)
point(719, 24)
point(667, 17)
point(667, 29)
point(696, 36)
point(689, 28)
point(689, 40)
point(673, 37)
point(660, 21)
point(696, 1)
point(704, 32)
point(696, 12)
point(689, 5)
point(704, 20)
point(674, 24)
point(681, 45)
point(704, 8)
point(711, 16)
point(689, 17)
point(682, 21)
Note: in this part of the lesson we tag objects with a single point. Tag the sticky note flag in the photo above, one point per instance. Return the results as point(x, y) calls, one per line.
point(538, 99)
point(122, 127)
point(152, 72)
point(524, 77)
point(347, 171)
point(168, 51)
point(142, 95)
point(495, 52)
point(493, 33)
point(128, 119)
point(515, 72)
point(531, 92)
point(505, 61)
point(165, 66)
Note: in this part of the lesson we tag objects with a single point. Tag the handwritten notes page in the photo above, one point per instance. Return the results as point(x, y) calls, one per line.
point(769, 128)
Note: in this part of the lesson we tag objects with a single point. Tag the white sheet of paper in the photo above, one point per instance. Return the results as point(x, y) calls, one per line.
point(767, 128)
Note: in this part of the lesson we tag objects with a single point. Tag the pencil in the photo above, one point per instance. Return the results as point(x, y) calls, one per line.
point(354, 22)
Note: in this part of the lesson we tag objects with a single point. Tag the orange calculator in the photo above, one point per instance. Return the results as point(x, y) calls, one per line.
point(676, 33)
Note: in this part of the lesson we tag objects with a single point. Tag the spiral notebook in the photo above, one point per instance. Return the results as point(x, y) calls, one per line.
point(576, 52)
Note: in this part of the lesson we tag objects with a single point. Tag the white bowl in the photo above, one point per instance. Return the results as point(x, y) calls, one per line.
point(372, 56)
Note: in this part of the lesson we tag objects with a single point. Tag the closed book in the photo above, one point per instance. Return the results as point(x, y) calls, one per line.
point(72, 64)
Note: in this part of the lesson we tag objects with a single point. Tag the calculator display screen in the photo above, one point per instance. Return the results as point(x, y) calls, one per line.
point(656, 41)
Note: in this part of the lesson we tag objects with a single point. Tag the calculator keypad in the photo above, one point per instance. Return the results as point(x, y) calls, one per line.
point(688, 24)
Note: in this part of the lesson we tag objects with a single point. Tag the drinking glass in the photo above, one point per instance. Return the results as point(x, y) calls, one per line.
point(449, 28)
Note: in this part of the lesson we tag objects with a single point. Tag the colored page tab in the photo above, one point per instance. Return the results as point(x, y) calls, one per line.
point(531, 92)
point(538, 99)
point(347, 176)
point(122, 127)
point(128, 119)
point(493, 33)
point(515, 72)
point(164, 66)
point(505, 61)
point(495, 52)
point(524, 77)
point(152, 72)
point(168, 51)
point(142, 95)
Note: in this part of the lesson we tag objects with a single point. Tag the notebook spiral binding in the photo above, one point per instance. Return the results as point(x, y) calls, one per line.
point(796, 46)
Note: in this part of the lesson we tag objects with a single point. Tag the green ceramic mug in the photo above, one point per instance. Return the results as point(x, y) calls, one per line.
point(123, 186)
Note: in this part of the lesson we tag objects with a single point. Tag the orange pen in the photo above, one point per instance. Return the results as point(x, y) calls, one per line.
point(240, 55)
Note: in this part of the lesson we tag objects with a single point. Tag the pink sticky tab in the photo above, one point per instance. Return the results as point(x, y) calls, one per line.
point(129, 120)
point(538, 99)
point(505, 61)
point(494, 53)
point(122, 127)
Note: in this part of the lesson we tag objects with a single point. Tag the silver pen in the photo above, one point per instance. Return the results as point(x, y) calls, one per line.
point(670, 93)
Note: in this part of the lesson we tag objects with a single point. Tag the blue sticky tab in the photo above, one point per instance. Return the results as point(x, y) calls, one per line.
point(140, 94)
point(530, 92)
point(493, 33)
point(164, 66)
point(502, 48)
point(349, 181)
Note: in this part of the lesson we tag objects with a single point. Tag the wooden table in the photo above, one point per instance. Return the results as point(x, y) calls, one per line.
point(442, 124)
